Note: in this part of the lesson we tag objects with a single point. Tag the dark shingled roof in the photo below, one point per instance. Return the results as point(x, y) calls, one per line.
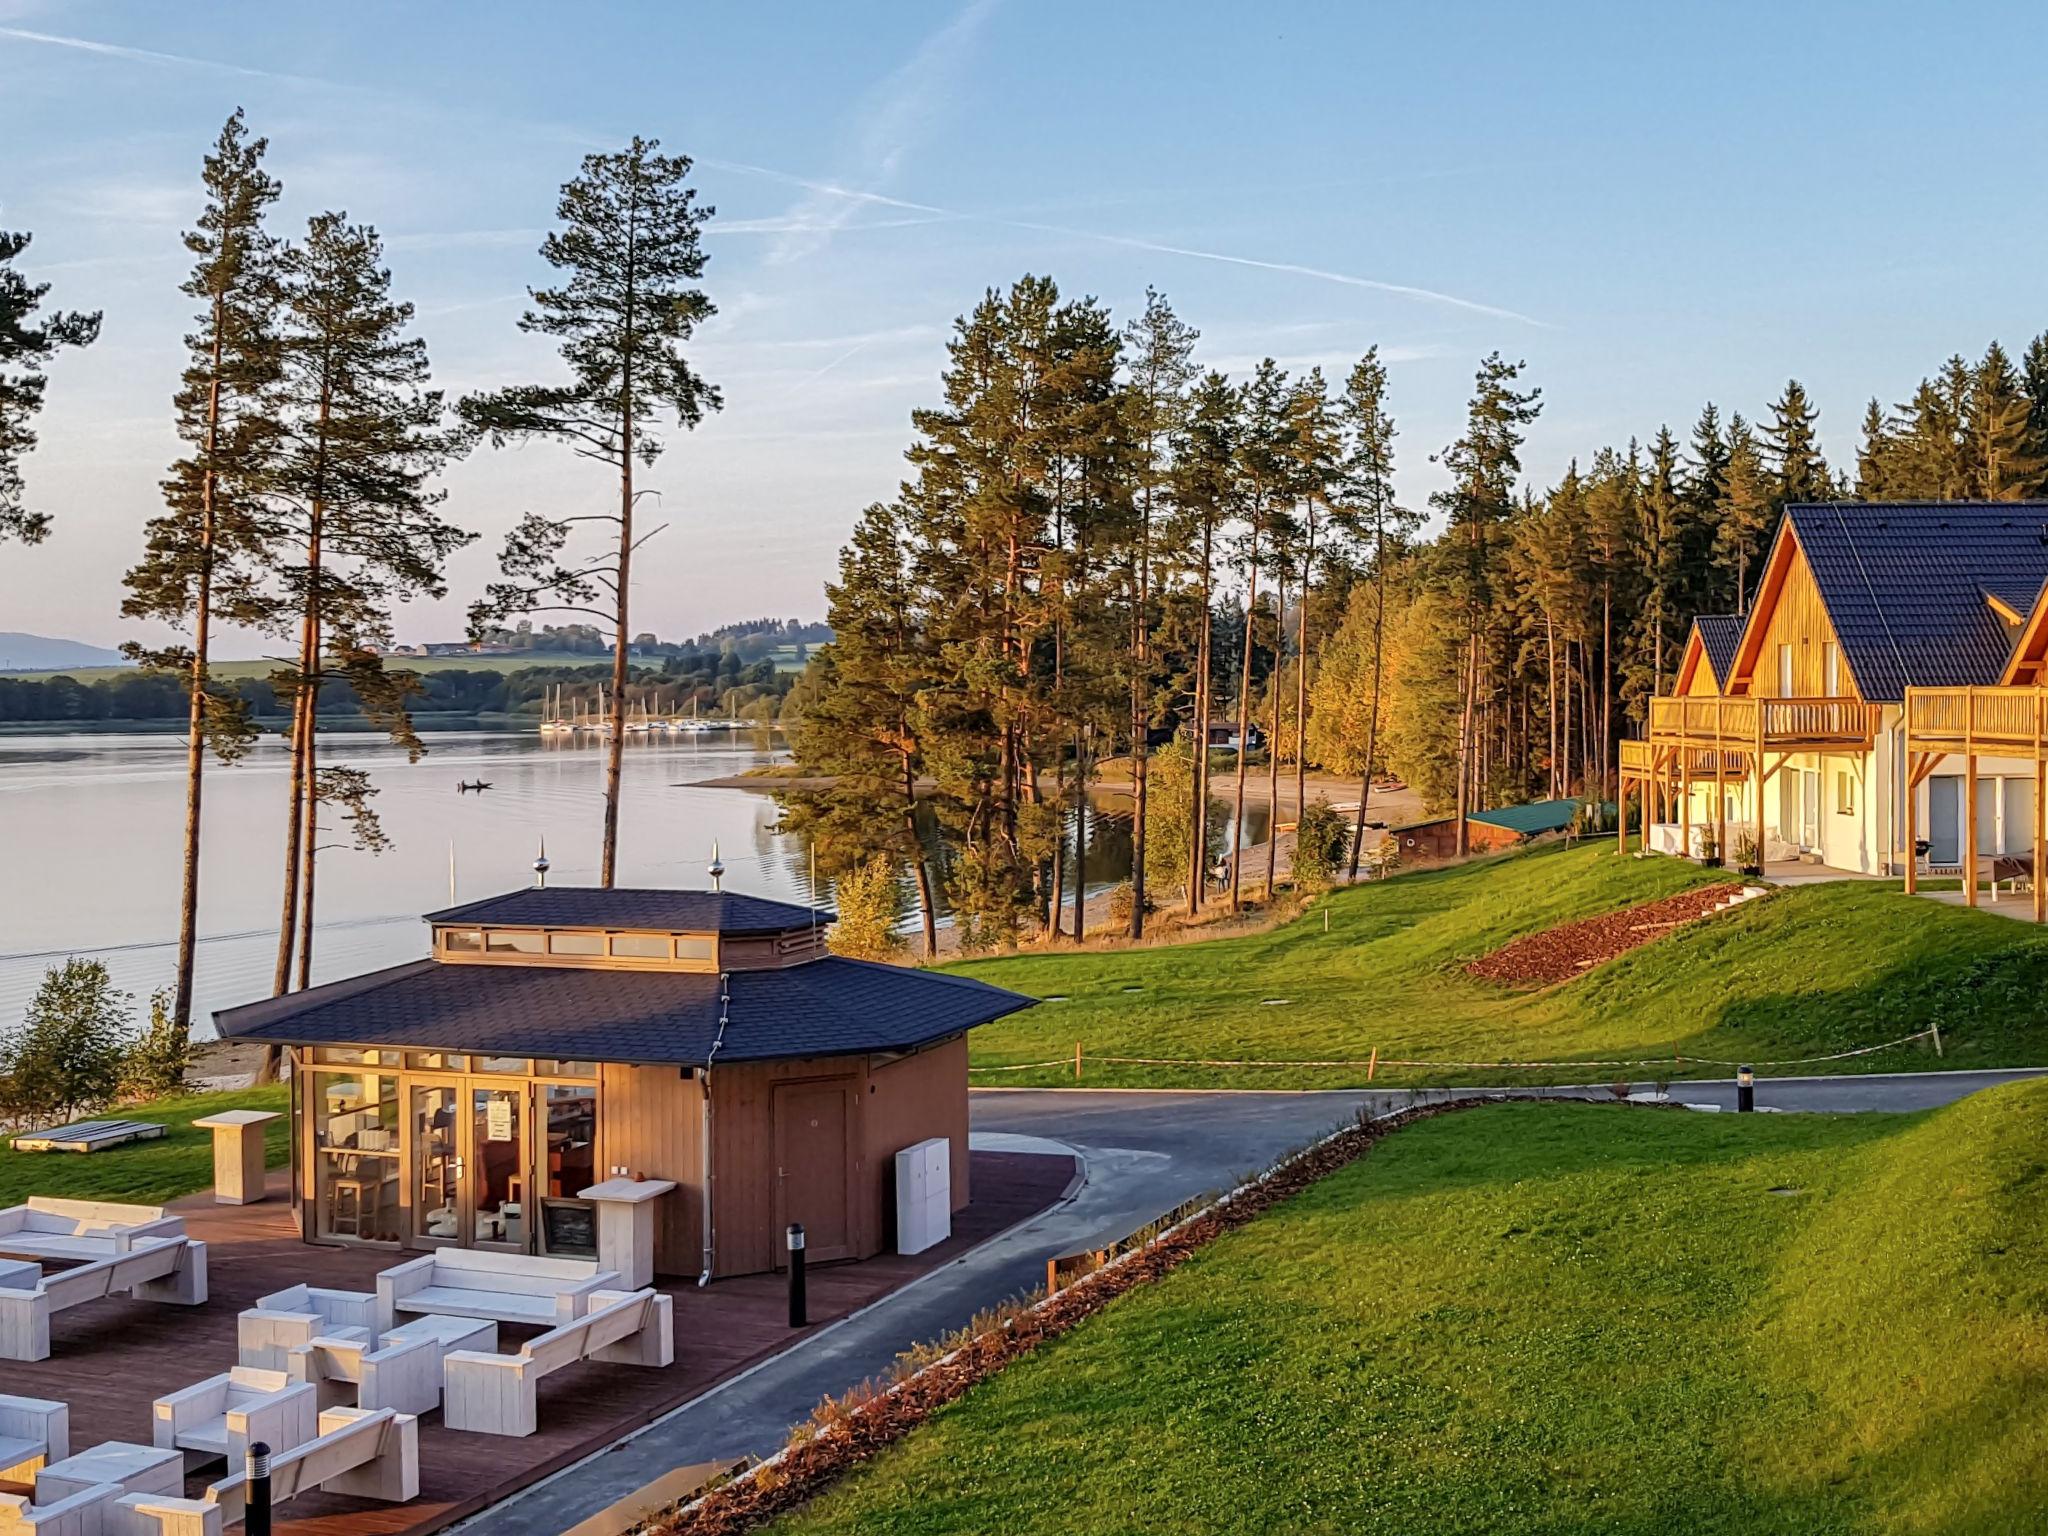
point(1537, 816)
point(829, 1007)
point(1720, 634)
point(589, 906)
point(1904, 584)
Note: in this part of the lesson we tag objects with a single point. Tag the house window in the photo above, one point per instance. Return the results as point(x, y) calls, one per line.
point(640, 946)
point(1831, 668)
point(355, 1156)
point(696, 949)
point(575, 943)
point(1845, 792)
point(462, 941)
point(1785, 672)
point(499, 943)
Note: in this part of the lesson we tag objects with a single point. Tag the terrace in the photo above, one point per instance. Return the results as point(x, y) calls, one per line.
point(108, 1361)
point(1973, 724)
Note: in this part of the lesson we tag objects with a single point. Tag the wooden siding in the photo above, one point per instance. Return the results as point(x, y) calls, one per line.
point(650, 1120)
point(1695, 671)
point(910, 1100)
point(744, 1187)
point(1793, 615)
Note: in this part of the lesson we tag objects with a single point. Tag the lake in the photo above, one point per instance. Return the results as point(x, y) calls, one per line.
point(90, 826)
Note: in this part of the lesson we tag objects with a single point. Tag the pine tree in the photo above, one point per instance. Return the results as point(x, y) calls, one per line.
point(2034, 380)
point(1263, 464)
point(1745, 509)
point(631, 251)
point(1315, 453)
point(202, 552)
point(1792, 449)
point(1160, 351)
point(24, 349)
point(1876, 454)
point(2004, 461)
point(351, 525)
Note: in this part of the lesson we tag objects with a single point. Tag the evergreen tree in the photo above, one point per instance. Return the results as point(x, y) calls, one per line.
point(2004, 463)
point(631, 251)
point(203, 551)
point(1315, 451)
point(1160, 351)
point(1876, 454)
point(2034, 380)
point(1745, 509)
point(24, 348)
point(1262, 461)
point(352, 525)
point(1792, 449)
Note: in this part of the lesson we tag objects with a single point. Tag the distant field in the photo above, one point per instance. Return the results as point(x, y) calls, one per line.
point(263, 668)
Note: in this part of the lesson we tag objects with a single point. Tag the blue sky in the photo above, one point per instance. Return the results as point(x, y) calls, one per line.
point(1653, 205)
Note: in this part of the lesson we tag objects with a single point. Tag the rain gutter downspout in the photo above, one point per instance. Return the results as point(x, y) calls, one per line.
point(724, 1018)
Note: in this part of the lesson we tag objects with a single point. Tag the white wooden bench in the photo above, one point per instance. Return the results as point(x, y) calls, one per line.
point(168, 1269)
point(222, 1414)
point(361, 1373)
point(267, 1333)
point(88, 1512)
point(80, 1230)
point(33, 1432)
point(506, 1287)
point(369, 1454)
point(498, 1394)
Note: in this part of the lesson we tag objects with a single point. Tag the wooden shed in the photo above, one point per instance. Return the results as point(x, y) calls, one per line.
point(559, 1038)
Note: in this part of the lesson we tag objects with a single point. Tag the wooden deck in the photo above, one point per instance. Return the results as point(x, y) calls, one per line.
point(110, 1359)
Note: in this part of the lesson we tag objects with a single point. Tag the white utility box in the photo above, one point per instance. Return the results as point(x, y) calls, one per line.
point(924, 1195)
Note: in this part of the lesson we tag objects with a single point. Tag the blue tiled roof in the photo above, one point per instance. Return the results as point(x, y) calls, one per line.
point(827, 1007)
point(1904, 584)
point(1537, 816)
point(1720, 634)
point(589, 906)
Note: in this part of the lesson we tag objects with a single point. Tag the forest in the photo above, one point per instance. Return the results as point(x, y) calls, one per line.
point(1100, 546)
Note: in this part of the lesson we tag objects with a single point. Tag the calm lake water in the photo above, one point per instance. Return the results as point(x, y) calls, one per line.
point(90, 827)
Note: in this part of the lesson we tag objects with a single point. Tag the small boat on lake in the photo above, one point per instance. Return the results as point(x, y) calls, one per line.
point(479, 785)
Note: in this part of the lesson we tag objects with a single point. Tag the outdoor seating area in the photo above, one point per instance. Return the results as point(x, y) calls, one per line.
point(384, 1412)
point(76, 1230)
point(163, 1269)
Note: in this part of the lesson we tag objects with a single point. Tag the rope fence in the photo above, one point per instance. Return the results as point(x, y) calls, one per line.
point(1373, 1063)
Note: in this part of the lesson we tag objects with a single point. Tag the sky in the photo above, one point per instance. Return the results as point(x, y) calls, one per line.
point(1651, 205)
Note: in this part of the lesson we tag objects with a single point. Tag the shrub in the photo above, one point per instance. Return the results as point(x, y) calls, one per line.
point(157, 1062)
point(68, 1056)
point(1121, 899)
point(870, 903)
point(1322, 842)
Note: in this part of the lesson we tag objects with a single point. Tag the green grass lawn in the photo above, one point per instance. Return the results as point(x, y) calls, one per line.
point(145, 1172)
point(1546, 1319)
point(1808, 971)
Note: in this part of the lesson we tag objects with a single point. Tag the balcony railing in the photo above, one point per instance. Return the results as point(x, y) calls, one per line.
point(1999, 719)
point(1715, 720)
point(1638, 757)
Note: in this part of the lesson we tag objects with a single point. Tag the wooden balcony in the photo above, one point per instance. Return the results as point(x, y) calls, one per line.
point(2004, 721)
point(1719, 723)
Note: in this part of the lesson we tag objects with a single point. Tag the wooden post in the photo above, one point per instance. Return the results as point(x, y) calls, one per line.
point(1757, 779)
point(1621, 818)
point(2040, 811)
point(1373, 1065)
point(1970, 797)
point(1720, 793)
point(1685, 802)
point(1912, 818)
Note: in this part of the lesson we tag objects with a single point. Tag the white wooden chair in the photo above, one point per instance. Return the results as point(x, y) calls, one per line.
point(507, 1287)
point(33, 1432)
point(368, 1454)
point(88, 1512)
point(222, 1414)
point(499, 1394)
point(267, 1333)
point(168, 1269)
point(80, 1230)
point(360, 1373)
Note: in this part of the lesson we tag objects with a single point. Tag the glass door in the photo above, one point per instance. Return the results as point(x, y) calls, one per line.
point(496, 1169)
point(437, 1216)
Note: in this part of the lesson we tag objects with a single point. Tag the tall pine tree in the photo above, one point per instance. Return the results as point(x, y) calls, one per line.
point(25, 346)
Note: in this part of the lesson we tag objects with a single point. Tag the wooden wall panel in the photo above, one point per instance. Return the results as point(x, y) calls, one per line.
point(745, 1209)
point(908, 1101)
point(1797, 619)
point(650, 1120)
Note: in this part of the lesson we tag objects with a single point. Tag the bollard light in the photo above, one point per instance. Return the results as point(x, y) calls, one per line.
point(256, 1489)
point(1745, 1088)
point(797, 1309)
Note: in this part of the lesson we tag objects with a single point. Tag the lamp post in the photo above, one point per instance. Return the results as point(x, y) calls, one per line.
point(797, 1311)
point(256, 1489)
point(1745, 1088)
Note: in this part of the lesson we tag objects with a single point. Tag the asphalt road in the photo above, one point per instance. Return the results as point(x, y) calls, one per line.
point(1143, 1153)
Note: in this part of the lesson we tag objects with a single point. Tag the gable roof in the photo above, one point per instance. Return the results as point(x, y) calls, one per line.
point(1905, 585)
point(589, 906)
point(828, 1007)
point(1537, 816)
point(1720, 634)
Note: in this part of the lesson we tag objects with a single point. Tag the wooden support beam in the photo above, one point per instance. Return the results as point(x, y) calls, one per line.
point(1912, 818)
point(2040, 810)
point(1756, 764)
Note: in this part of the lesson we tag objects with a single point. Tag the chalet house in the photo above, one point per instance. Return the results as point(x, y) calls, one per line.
point(557, 1039)
point(1881, 696)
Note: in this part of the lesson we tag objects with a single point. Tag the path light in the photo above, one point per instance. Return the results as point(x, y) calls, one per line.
point(797, 1311)
point(256, 1488)
point(1745, 1088)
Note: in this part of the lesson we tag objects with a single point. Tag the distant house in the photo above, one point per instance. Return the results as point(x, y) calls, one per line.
point(1879, 709)
point(1486, 831)
point(556, 1038)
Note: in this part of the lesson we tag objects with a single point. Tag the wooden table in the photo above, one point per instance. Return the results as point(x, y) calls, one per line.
point(625, 1226)
point(238, 1153)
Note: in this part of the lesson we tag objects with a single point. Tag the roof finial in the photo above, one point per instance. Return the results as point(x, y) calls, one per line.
point(540, 866)
point(717, 868)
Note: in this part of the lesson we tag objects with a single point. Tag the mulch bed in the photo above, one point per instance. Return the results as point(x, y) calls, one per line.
point(1558, 954)
point(849, 1431)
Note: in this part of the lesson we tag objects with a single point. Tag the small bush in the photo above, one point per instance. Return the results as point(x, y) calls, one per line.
point(157, 1062)
point(1322, 843)
point(870, 902)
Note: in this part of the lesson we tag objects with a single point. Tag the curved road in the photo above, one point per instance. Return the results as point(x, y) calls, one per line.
point(1143, 1153)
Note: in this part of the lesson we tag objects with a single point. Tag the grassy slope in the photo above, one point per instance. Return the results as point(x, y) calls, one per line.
point(1811, 970)
point(148, 1172)
point(1548, 1319)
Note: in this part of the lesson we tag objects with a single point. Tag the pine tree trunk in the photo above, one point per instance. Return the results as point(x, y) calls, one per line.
point(1140, 747)
point(919, 863)
point(1273, 742)
point(1244, 727)
point(1081, 770)
point(1372, 724)
point(311, 833)
point(1301, 678)
point(1550, 685)
point(288, 917)
point(615, 748)
point(1198, 817)
point(1606, 680)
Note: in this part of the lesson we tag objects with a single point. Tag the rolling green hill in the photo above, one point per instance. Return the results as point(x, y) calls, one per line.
point(1533, 1319)
point(1809, 971)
